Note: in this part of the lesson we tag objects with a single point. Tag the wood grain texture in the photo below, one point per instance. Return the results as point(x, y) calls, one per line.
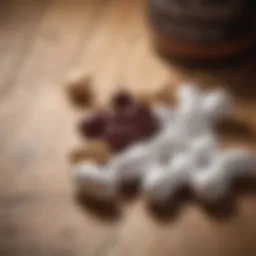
point(39, 212)
point(19, 25)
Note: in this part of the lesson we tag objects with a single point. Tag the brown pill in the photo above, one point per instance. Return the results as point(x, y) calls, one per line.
point(145, 120)
point(94, 126)
point(149, 130)
point(165, 95)
point(123, 118)
point(145, 99)
point(122, 99)
point(126, 123)
point(99, 150)
point(79, 155)
point(96, 150)
point(121, 137)
point(79, 90)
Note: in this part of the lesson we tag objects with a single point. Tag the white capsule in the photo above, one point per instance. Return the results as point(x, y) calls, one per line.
point(155, 184)
point(180, 162)
point(159, 186)
point(163, 182)
point(164, 114)
point(183, 165)
point(189, 96)
point(189, 93)
point(191, 117)
point(172, 139)
point(196, 127)
point(210, 184)
point(217, 104)
point(236, 162)
point(214, 182)
point(132, 164)
point(94, 180)
point(203, 149)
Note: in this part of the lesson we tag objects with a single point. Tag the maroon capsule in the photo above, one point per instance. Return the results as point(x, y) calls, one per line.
point(147, 124)
point(142, 112)
point(94, 126)
point(123, 117)
point(149, 130)
point(121, 137)
point(122, 99)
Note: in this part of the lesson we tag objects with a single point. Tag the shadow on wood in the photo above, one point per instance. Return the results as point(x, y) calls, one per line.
point(104, 210)
point(170, 210)
point(244, 186)
point(129, 190)
point(237, 130)
point(221, 210)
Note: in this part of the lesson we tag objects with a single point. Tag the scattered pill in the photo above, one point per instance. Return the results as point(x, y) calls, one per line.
point(145, 120)
point(122, 99)
point(121, 127)
point(163, 113)
point(214, 182)
point(189, 96)
point(164, 181)
point(155, 186)
point(170, 140)
point(165, 96)
point(79, 155)
point(95, 180)
point(217, 104)
point(121, 137)
point(164, 148)
point(95, 150)
point(203, 149)
point(211, 184)
point(236, 162)
point(133, 163)
point(93, 127)
point(79, 89)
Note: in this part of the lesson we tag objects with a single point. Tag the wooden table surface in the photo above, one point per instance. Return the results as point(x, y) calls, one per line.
point(39, 215)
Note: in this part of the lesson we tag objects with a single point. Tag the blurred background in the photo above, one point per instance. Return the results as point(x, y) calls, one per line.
point(139, 44)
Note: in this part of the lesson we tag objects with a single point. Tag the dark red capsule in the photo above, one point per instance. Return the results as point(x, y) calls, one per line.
point(123, 117)
point(147, 124)
point(94, 126)
point(121, 137)
point(122, 99)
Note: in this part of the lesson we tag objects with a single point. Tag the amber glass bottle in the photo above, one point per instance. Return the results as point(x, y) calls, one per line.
point(202, 29)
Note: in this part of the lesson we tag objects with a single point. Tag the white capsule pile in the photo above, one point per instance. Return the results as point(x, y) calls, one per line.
point(185, 152)
point(94, 180)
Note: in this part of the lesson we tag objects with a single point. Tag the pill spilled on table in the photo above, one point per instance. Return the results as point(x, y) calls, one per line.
point(163, 147)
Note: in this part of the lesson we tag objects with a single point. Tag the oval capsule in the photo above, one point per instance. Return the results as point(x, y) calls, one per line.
point(94, 180)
